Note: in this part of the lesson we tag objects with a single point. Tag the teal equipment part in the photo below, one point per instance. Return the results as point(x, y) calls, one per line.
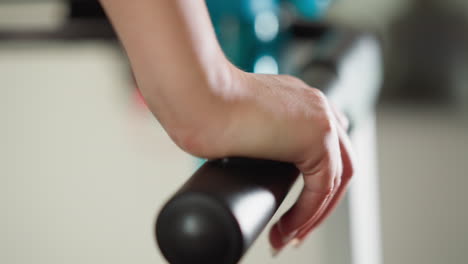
point(249, 31)
point(311, 9)
point(246, 29)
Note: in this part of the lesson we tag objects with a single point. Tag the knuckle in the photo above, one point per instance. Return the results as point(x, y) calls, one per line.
point(325, 124)
point(322, 117)
point(325, 189)
point(318, 95)
point(322, 182)
point(328, 190)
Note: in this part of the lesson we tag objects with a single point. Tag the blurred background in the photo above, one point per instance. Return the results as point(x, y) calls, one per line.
point(84, 167)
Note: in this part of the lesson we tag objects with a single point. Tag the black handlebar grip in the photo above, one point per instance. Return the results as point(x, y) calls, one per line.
point(222, 209)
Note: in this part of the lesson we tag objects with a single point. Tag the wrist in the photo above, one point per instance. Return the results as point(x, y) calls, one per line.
point(202, 126)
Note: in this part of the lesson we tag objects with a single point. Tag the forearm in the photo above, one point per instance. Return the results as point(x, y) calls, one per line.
point(175, 56)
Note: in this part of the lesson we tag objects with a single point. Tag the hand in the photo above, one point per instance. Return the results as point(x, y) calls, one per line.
point(281, 118)
point(215, 111)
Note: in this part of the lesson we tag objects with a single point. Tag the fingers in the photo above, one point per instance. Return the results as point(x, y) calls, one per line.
point(306, 208)
point(348, 171)
point(340, 117)
point(319, 181)
point(322, 192)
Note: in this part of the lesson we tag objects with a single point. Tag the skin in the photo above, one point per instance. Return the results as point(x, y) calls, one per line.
point(212, 109)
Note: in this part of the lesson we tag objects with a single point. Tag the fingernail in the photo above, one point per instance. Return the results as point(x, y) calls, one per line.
point(275, 251)
point(288, 238)
point(296, 243)
point(285, 240)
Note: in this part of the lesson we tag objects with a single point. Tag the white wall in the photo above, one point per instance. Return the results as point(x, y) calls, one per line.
point(83, 172)
point(423, 164)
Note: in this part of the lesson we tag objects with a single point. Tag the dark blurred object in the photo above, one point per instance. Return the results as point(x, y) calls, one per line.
point(222, 209)
point(426, 49)
point(86, 9)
